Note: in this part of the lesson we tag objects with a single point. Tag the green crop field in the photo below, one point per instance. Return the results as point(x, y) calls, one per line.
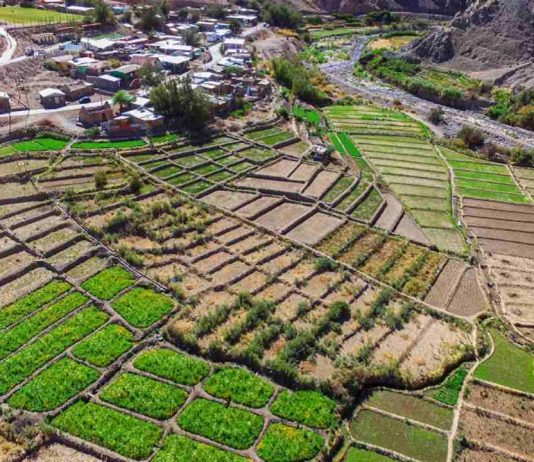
point(144, 396)
point(182, 449)
point(31, 327)
point(142, 307)
point(276, 138)
point(399, 436)
point(197, 187)
point(307, 407)
point(20, 15)
point(226, 425)
point(32, 302)
point(449, 391)
point(480, 179)
point(411, 407)
point(257, 134)
point(100, 145)
point(108, 283)
point(509, 365)
point(170, 365)
point(289, 444)
point(309, 115)
point(240, 386)
point(363, 455)
point(369, 206)
point(338, 188)
point(54, 386)
point(104, 347)
point(257, 154)
point(122, 433)
point(25, 362)
point(41, 143)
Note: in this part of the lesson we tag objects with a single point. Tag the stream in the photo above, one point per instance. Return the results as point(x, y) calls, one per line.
point(340, 73)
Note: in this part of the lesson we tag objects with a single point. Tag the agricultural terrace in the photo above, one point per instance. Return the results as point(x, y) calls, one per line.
point(402, 424)
point(248, 288)
point(393, 41)
point(29, 16)
point(480, 179)
point(195, 169)
point(271, 137)
point(526, 178)
point(157, 388)
point(408, 163)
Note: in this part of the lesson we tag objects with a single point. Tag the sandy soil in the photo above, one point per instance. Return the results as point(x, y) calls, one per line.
point(300, 272)
point(390, 215)
point(446, 283)
point(206, 264)
point(281, 168)
point(287, 310)
point(468, 299)
point(254, 208)
point(304, 172)
point(507, 248)
point(280, 263)
point(476, 455)
point(260, 254)
point(251, 242)
point(250, 283)
point(498, 433)
point(361, 338)
point(227, 199)
point(315, 228)
point(229, 272)
point(53, 240)
point(270, 184)
point(275, 292)
point(24, 285)
point(408, 228)
point(59, 453)
point(320, 283)
point(282, 215)
point(321, 183)
point(234, 234)
point(494, 399)
point(15, 262)
point(86, 269)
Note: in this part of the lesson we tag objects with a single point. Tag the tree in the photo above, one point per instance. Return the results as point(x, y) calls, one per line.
point(436, 115)
point(281, 15)
point(150, 76)
point(191, 38)
point(215, 11)
point(165, 8)
point(235, 27)
point(123, 99)
point(471, 136)
point(149, 19)
point(103, 13)
point(181, 104)
point(182, 14)
point(101, 180)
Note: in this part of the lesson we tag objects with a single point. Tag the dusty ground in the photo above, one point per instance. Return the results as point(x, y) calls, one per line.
point(60, 453)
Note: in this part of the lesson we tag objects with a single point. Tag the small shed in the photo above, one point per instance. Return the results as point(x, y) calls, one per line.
point(52, 98)
point(108, 82)
point(5, 104)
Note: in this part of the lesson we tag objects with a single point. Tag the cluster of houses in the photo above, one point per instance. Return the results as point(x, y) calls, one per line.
point(105, 65)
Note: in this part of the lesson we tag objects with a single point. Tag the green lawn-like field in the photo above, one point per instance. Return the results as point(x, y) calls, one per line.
point(31, 302)
point(363, 455)
point(178, 448)
point(122, 433)
point(240, 386)
point(368, 207)
point(144, 395)
point(399, 436)
point(41, 143)
point(104, 347)
point(283, 443)
point(20, 15)
point(411, 407)
point(509, 365)
point(449, 391)
point(108, 283)
point(117, 144)
point(276, 138)
point(197, 187)
point(256, 154)
point(171, 365)
point(226, 425)
point(307, 407)
point(338, 188)
point(142, 307)
point(308, 115)
point(54, 386)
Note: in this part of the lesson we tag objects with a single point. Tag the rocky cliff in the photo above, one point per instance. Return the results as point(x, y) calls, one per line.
point(444, 7)
point(493, 39)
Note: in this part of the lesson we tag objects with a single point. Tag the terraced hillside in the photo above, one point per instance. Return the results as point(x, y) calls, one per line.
point(396, 148)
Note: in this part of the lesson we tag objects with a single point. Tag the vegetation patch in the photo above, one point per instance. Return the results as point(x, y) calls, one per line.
point(178, 448)
point(396, 435)
point(282, 443)
point(411, 407)
point(26, 15)
point(363, 455)
point(226, 425)
point(108, 283)
point(116, 144)
point(122, 433)
point(509, 365)
point(145, 396)
point(143, 307)
point(173, 366)
point(41, 143)
point(307, 407)
point(311, 116)
point(104, 347)
point(54, 386)
point(21, 365)
point(26, 330)
point(449, 391)
point(239, 385)
point(28, 304)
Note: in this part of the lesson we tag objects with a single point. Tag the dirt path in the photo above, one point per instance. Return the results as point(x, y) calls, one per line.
point(10, 48)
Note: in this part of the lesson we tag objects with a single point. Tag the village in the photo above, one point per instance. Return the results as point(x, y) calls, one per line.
point(102, 75)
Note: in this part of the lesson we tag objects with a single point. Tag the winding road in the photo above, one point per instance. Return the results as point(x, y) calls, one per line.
point(341, 74)
point(10, 48)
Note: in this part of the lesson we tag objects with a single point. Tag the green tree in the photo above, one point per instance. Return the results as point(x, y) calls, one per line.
point(235, 27)
point(164, 8)
point(123, 99)
point(101, 180)
point(181, 104)
point(191, 38)
point(103, 13)
point(149, 20)
point(150, 76)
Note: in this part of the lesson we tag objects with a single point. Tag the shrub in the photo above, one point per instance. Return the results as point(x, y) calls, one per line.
point(471, 136)
point(101, 180)
point(284, 443)
point(436, 116)
point(307, 407)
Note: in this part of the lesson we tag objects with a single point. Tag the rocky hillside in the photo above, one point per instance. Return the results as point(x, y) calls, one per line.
point(494, 39)
point(446, 7)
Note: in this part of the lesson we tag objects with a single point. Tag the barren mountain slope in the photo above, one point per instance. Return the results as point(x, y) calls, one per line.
point(494, 38)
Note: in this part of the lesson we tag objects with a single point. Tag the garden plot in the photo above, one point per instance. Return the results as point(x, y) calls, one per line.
point(415, 173)
point(526, 178)
point(315, 228)
point(22, 166)
point(457, 290)
point(270, 136)
point(229, 200)
point(480, 179)
point(296, 149)
point(368, 119)
point(15, 263)
point(282, 215)
point(506, 229)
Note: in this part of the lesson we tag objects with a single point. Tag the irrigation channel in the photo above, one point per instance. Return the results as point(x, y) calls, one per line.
point(341, 74)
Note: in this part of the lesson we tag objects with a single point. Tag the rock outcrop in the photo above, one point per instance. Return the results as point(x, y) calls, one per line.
point(442, 7)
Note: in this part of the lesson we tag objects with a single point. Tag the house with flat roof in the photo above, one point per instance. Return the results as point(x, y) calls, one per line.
point(174, 64)
point(108, 83)
point(52, 98)
point(95, 115)
point(76, 90)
